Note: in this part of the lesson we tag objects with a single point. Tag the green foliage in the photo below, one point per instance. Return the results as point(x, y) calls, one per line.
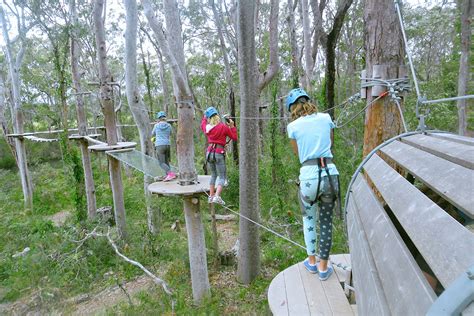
point(7, 161)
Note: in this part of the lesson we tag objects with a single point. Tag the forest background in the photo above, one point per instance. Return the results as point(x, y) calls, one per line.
point(56, 271)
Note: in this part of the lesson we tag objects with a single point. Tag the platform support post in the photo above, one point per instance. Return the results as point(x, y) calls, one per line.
point(197, 249)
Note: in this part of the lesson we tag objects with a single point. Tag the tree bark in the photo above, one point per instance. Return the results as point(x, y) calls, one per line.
point(183, 94)
point(308, 69)
point(384, 46)
point(137, 107)
point(331, 42)
point(81, 117)
point(197, 249)
point(107, 104)
point(467, 11)
point(14, 65)
point(295, 66)
point(228, 72)
point(185, 142)
point(249, 252)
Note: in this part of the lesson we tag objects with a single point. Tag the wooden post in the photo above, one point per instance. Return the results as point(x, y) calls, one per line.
point(197, 249)
point(215, 244)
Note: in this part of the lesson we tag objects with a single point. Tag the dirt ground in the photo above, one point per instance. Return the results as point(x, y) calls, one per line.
point(97, 303)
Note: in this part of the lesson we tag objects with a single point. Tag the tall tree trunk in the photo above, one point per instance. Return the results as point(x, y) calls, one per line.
point(81, 117)
point(249, 252)
point(3, 120)
point(384, 46)
point(331, 43)
point(308, 61)
point(467, 11)
point(187, 171)
point(164, 84)
point(295, 67)
point(14, 71)
point(137, 107)
point(228, 71)
point(107, 104)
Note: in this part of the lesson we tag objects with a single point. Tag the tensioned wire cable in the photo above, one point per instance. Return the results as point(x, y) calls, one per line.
point(337, 264)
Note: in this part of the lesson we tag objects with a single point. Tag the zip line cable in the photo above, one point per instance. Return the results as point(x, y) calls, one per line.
point(260, 225)
point(337, 264)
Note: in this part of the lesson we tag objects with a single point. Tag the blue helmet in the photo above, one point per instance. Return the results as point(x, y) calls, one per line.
point(160, 114)
point(294, 95)
point(211, 111)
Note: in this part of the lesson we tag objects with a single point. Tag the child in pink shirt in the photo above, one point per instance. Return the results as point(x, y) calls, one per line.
point(217, 133)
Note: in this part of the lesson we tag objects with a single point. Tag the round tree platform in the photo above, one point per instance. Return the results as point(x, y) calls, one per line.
point(172, 188)
point(119, 145)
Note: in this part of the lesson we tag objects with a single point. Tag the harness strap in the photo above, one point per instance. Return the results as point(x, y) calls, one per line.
point(322, 162)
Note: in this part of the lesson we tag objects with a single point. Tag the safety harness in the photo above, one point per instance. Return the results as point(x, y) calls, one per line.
point(211, 150)
point(322, 163)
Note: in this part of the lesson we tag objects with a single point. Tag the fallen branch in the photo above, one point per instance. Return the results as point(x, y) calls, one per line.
point(156, 279)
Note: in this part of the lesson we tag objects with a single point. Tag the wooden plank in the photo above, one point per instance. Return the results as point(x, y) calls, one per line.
point(336, 297)
point(316, 298)
point(277, 296)
point(444, 243)
point(454, 138)
point(369, 292)
point(295, 293)
point(392, 257)
point(460, 154)
point(453, 182)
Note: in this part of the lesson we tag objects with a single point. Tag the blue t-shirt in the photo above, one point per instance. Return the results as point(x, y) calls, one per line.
point(312, 134)
point(162, 131)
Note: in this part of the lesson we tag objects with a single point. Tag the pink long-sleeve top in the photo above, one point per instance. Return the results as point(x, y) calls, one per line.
point(218, 134)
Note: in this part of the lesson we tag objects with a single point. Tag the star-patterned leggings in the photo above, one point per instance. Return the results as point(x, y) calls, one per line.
point(320, 212)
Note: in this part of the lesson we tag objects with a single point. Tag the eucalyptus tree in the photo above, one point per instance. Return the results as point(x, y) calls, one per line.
point(217, 13)
point(14, 53)
point(467, 13)
point(252, 82)
point(81, 113)
point(174, 54)
point(384, 47)
point(135, 102)
point(107, 103)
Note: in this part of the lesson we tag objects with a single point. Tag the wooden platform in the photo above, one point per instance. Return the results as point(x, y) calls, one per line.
point(172, 188)
point(295, 291)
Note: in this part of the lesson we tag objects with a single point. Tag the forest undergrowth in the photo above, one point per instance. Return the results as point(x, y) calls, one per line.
point(57, 268)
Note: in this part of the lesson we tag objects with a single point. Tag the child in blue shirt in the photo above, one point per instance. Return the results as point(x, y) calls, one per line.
point(310, 136)
point(161, 132)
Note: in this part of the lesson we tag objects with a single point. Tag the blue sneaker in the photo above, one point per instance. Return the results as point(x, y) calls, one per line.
point(323, 276)
point(310, 267)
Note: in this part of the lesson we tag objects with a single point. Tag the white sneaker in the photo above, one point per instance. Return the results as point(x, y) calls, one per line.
point(210, 198)
point(226, 183)
point(217, 199)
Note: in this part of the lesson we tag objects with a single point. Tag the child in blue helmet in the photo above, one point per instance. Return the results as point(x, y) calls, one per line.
point(161, 132)
point(217, 133)
point(310, 136)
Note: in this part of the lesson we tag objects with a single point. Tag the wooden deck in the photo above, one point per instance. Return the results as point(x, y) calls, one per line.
point(295, 291)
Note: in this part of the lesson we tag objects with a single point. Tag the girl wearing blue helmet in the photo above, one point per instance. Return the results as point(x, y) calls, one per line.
point(217, 133)
point(161, 132)
point(310, 136)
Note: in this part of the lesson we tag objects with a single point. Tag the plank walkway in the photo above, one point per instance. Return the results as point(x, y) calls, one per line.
point(295, 291)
